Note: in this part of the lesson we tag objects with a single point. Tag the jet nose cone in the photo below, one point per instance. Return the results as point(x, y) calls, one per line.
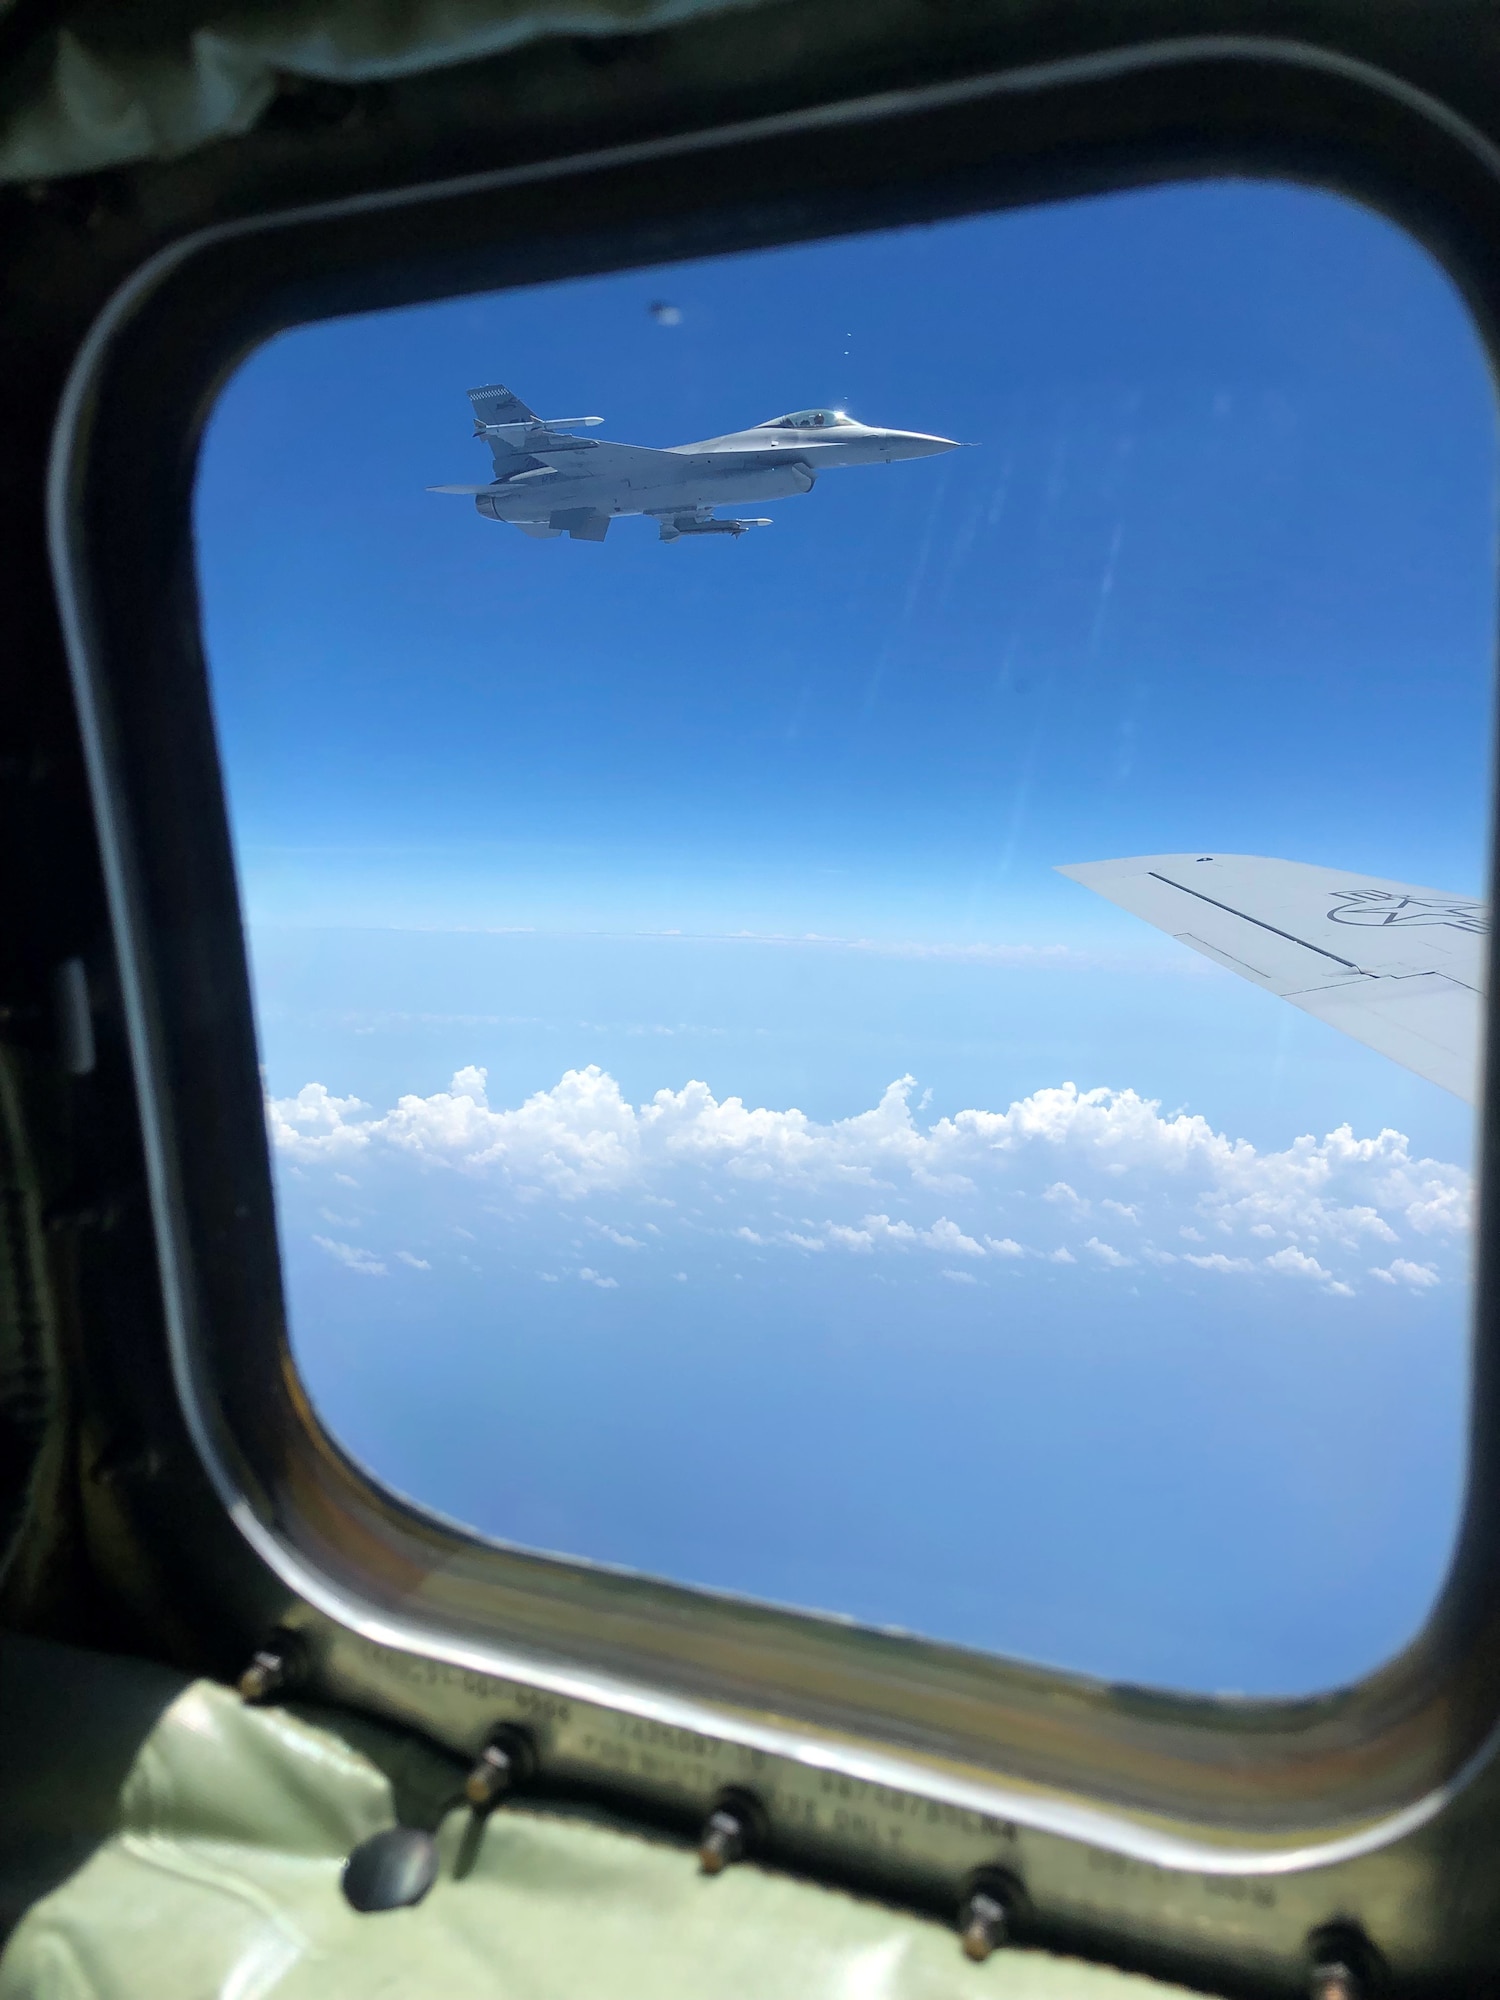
point(917, 444)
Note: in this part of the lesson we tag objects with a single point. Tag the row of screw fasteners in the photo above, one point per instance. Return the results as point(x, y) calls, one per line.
point(737, 1828)
point(1345, 1966)
point(507, 1759)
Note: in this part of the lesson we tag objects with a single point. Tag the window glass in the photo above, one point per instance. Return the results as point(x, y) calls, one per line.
point(807, 420)
point(711, 1134)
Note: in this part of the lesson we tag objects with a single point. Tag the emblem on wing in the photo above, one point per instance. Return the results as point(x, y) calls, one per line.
point(1380, 908)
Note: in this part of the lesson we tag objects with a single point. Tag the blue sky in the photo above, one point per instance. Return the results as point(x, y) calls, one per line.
point(779, 818)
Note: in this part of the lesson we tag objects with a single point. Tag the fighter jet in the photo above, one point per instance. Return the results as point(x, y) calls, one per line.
point(1399, 968)
point(549, 481)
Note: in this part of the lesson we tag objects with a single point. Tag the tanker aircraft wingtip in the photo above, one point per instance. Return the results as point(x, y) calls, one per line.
point(1399, 968)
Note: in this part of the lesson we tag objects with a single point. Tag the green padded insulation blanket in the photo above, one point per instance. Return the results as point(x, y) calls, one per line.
point(161, 1841)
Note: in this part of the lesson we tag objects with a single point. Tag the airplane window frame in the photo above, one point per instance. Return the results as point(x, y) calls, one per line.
point(403, 1611)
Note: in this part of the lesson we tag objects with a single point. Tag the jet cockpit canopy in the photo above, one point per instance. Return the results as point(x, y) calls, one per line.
point(806, 420)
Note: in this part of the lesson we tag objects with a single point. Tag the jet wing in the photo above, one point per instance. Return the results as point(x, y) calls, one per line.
point(1401, 969)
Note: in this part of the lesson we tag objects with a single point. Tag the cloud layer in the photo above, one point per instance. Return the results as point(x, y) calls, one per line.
point(1099, 1179)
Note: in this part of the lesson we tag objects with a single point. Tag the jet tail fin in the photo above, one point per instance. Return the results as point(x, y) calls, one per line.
point(498, 405)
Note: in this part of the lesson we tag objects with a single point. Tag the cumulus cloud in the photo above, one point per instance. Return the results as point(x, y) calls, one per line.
point(1297, 1264)
point(350, 1255)
point(1435, 1206)
point(314, 1114)
point(1402, 1271)
point(889, 1186)
point(946, 1235)
point(1108, 1254)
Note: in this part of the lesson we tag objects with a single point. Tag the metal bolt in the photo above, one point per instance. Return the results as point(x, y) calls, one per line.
point(491, 1778)
point(985, 1923)
point(722, 1841)
point(1333, 1980)
point(266, 1675)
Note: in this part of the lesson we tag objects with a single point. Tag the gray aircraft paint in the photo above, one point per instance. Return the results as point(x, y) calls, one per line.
point(1398, 968)
point(550, 482)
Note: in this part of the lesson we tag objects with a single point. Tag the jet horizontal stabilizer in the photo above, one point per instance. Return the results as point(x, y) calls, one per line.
point(535, 437)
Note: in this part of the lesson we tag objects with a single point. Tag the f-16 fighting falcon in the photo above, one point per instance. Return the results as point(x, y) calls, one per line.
point(549, 481)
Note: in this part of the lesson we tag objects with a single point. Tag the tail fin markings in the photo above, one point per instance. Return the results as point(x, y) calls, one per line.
point(495, 404)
